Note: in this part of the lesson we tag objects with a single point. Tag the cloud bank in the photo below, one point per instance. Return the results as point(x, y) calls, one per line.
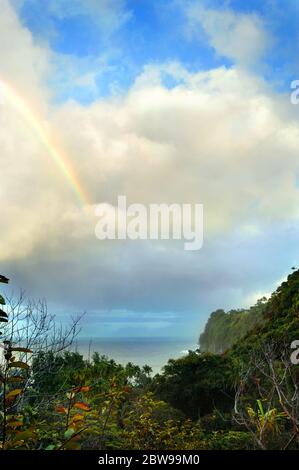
point(221, 137)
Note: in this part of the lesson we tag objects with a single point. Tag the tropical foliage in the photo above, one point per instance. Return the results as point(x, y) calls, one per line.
point(244, 397)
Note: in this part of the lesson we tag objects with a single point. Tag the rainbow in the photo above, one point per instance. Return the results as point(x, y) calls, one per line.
point(32, 119)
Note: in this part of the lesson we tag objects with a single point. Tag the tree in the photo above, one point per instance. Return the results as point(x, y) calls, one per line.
point(28, 331)
point(267, 399)
point(196, 384)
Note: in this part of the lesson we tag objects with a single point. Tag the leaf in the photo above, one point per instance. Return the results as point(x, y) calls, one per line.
point(61, 409)
point(50, 447)
point(68, 433)
point(4, 279)
point(22, 435)
point(260, 406)
point(2, 300)
point(83, 389)
point(73, 445)
point(19, 364)
point(25, 350)
point(15, 424)
point(14, 393)
point(77, 418)
point(14, 418)
point(15, 378)
point(3, 320)
point(82, 406)
point(2, 313)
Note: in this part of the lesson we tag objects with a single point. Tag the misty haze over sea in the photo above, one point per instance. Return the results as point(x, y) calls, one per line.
point(154, 352)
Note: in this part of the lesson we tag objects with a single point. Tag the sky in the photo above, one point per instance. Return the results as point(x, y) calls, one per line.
point(173, 101)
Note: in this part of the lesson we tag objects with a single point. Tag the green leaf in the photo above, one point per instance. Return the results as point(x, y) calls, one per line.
point(20, 364)
point(2, 301)
point(68, 434)
point(23, 435)
point(3, 314)
point(3, 320)
point(260, 407)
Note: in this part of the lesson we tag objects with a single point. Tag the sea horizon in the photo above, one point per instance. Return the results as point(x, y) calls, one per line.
point(152, 351)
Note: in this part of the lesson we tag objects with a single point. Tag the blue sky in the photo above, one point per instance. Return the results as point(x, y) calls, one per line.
point(164, 101)
point(127, 35)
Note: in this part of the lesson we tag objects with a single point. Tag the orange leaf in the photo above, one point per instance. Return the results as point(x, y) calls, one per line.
point(73, 445)
point(83, 389)
point(82, 406)
point(61, 409)
point(15, 424)
point(77, 418)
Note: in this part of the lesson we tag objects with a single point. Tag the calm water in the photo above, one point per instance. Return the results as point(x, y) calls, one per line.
point(154, 352)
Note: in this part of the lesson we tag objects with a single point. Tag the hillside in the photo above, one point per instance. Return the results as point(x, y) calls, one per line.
point(250, 387)
point(280, 320)
point(276, 318)
point(224, 329)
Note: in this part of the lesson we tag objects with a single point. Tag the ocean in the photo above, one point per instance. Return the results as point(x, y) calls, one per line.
point(154, 352)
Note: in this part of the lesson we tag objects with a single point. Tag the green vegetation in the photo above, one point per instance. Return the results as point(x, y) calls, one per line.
point(244, 397)
point(225, 329)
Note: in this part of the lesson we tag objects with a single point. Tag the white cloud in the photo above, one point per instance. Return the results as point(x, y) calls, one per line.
point(216, 139)
point(220, 138)
point(22, 62)
point(252, 298)
point(239, 37)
